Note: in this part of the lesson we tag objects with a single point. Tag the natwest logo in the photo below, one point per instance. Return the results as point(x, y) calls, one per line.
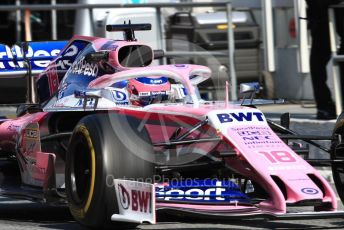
point(240, 117)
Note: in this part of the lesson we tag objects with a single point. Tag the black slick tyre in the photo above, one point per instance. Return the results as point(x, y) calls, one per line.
point(97, 155)
point(337, 153)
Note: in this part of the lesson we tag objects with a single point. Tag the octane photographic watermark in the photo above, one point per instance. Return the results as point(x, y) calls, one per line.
point(161, 179)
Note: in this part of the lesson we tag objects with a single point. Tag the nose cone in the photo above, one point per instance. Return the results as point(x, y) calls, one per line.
point(299, 188)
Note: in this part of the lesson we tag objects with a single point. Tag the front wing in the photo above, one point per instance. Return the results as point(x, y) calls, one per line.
point(138, 203)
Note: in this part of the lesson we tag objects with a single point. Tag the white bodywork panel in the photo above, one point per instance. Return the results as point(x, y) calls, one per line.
point(136, 202)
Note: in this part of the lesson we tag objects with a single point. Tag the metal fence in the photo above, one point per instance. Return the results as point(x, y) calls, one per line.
point(53, 7)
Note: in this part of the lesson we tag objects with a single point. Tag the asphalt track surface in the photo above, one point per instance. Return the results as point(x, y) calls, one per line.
point(24, 215)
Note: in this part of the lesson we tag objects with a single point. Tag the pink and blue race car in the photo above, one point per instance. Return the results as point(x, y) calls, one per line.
point(120, 141)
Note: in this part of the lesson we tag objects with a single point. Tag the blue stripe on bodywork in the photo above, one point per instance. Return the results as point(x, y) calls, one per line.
point(202, 191)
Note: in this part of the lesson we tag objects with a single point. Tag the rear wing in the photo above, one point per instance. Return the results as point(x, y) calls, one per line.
point(40, 54)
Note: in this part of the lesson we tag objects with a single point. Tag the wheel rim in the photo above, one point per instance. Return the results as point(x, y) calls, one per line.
point(81, 170)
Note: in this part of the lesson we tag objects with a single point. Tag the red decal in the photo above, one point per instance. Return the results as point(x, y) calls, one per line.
point(140, 201)
point(279, 156)
point(53, 81)
point(134, 202)
point(144, 198)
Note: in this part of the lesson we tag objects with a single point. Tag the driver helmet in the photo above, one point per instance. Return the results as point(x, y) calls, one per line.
point(148, 90)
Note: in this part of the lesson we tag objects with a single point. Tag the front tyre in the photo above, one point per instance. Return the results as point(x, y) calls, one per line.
point(96, 155)
point(337, 153)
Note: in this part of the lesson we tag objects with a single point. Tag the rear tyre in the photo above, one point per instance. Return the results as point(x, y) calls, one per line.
point(96, 155)
point(337, 153)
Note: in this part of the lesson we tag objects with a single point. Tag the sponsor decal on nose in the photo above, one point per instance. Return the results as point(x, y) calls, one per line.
point(310, 191)
point(240, 117)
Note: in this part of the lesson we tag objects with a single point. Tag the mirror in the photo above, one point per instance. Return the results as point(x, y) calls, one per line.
point(249, 88)
point(252, 87)
point(135, 56)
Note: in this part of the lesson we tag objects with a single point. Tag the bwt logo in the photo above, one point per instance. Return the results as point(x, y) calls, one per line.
point(240, 117)
point(138, 201)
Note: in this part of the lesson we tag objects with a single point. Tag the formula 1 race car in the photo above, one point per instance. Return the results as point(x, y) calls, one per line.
point(118, 140)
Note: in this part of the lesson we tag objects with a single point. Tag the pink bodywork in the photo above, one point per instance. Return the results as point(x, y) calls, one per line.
point(256, 162)
point(258, 159)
